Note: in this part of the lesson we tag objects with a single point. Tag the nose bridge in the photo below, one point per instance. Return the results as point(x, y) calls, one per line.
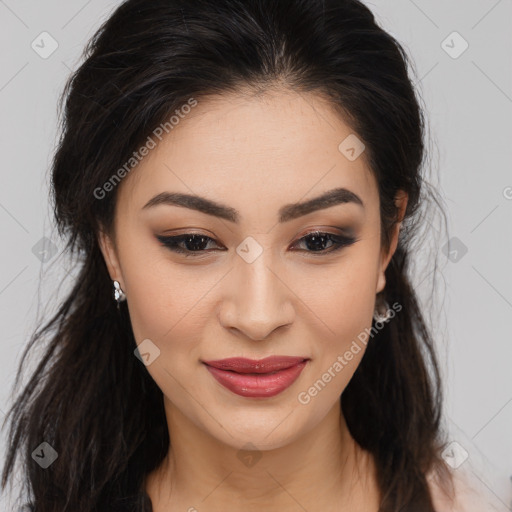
point(256, 279)
point(260, 301)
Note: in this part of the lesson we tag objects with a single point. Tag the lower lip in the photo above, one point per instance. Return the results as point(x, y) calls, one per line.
point(261, 385)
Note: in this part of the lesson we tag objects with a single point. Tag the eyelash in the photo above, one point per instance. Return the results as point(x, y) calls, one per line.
point(172, 243)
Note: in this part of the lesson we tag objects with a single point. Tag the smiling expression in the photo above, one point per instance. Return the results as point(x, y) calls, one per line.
point(247, 233)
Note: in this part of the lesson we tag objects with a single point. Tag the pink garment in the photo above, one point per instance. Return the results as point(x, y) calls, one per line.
point(471, 495)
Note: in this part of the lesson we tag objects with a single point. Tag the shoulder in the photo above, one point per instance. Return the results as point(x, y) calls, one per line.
point(468, 494)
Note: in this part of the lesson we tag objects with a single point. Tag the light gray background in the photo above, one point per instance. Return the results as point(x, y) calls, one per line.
point(469, 105)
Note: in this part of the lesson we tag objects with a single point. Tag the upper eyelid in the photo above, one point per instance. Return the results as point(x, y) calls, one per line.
point(326, 229)
point(307, 233)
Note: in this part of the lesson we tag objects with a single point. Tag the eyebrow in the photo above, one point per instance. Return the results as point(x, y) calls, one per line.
point(286, 213)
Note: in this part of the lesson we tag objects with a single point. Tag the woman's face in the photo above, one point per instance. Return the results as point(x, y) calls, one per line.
point(258, 285)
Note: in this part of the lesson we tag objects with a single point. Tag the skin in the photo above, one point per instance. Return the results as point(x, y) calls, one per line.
point(254, 154)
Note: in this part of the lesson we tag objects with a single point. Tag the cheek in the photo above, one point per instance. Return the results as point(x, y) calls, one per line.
point(342, 295)
point(168, 302)
point(168, 306)
point(341, 303)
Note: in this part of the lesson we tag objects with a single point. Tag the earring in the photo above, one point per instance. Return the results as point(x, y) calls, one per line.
point(119, 295)
point(382, 312)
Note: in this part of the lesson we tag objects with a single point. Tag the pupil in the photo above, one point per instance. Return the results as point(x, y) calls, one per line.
point(317, 241)
point(198, 242)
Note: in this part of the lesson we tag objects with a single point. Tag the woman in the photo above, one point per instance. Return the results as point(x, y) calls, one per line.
point(241, 182)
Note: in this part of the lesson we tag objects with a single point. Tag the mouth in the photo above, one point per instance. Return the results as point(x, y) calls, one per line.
point(262, 378)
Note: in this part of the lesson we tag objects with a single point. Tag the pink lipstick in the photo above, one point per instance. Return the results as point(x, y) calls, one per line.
point(261, 378)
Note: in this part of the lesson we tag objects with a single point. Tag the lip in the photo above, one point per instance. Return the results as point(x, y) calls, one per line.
point(262, 378)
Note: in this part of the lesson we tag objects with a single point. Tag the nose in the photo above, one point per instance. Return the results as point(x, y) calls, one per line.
point(258, 300)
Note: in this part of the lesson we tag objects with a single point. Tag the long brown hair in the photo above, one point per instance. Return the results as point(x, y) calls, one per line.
point(89, 398)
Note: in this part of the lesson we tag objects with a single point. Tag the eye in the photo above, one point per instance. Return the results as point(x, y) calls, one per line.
point(316, 242)
point(186, 244)
point(192, 244)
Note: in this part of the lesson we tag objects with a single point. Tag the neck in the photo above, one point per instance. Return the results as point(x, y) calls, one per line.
point(324, 469)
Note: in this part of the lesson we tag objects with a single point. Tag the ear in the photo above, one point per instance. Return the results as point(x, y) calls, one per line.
point(108, 249)
point(401, 199)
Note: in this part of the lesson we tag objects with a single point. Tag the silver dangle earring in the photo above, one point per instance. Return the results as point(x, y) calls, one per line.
point(119, 295)
point(382, 312)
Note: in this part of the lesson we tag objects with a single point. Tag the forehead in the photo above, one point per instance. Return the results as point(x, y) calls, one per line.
point(242, 147)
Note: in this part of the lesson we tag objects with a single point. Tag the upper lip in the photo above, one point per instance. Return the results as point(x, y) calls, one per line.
point(266, 365)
